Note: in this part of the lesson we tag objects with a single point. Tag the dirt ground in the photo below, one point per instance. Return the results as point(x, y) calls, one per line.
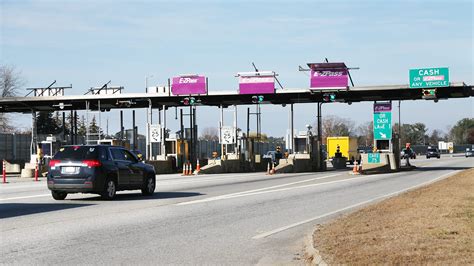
point(430, 225)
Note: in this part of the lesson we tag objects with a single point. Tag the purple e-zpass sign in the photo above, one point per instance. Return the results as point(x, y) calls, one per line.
point(382, 107)
point(186, 85)
point(329, 78)
point(257, 85)
point(329, 75)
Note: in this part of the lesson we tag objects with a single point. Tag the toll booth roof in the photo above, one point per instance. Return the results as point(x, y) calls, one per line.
point(321, 66)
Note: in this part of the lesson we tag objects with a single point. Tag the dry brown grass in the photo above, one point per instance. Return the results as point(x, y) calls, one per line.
point(430, 225)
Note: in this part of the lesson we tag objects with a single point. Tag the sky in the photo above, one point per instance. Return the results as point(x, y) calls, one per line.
point(87, 43)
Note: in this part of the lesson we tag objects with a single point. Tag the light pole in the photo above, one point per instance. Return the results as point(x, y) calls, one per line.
point(148, 154)
point(146, 82)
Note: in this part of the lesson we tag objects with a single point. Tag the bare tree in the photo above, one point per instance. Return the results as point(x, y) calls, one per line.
point(335, 126)
point(210, 133)
point(365, 132)
point(10, 82)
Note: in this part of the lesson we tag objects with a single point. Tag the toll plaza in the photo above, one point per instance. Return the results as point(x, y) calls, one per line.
point(171, 150)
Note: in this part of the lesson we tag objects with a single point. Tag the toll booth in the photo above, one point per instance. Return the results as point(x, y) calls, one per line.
point(304, 142)
point(178, 149)
point(306, 155)
point(50, 146)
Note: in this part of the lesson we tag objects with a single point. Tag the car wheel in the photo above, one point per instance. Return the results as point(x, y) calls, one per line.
point(110, 189)
point(439, 157)
point(58, 195)
point(149, 186)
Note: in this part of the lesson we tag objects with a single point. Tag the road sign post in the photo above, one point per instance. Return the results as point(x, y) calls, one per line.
point(429, 77)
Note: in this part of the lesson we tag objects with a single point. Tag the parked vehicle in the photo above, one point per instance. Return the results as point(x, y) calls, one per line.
point(469, 152)
point(432, 152)
point(99, 169)
point(347, 147)
point(410, 154)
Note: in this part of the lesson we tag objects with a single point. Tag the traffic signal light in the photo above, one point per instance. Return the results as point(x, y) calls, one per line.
point(329, 97)
point(428, 94)
point(257, 98)
point(186, 101)
point(189, 101)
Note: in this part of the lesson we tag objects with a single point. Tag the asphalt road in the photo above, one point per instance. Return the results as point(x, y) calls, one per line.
point(215, 219)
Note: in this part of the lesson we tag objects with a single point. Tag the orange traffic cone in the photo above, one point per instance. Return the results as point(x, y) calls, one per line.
point(198, 167)
point(185, 168)
point(355, 170)
point(190, 169)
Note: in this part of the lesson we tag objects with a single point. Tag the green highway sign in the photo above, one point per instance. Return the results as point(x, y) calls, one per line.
point(373, 157)
point(383, 125)
point(429, 77)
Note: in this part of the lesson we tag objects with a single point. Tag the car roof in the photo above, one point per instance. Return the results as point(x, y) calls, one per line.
point(93, 145)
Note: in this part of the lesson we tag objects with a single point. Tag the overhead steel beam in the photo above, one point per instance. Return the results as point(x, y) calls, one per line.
point(227, 98)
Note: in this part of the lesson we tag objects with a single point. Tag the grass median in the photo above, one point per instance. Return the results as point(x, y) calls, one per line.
point(429, 225)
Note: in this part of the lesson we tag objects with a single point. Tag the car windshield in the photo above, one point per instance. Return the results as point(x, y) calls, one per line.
point(432, 150)
point(76, 153)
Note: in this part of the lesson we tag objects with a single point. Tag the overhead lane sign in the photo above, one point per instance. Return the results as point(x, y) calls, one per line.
point(189, 85)
point(429, 77)
point(329, 75)
point(382, 121)
point(257, 82)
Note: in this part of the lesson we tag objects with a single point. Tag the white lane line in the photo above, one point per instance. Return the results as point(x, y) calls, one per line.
point(284, 228)
point(269, 189)
point(201, 180)
point(218, 178)
point(26, 197)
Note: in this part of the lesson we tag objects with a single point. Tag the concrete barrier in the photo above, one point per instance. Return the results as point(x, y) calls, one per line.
point(12, 168)
point(371, 168)
point(297, 163)
point(285, 166)
point(163, 166)
point(212, 167)
point(27, 173)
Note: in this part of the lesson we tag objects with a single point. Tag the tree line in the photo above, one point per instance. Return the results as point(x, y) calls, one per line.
point(417, 134)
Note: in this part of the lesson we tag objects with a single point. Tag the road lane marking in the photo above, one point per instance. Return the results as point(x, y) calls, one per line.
point(284, 228)
point(219, 178)
point(270, 189)
point(201, 180)
point(26, 197)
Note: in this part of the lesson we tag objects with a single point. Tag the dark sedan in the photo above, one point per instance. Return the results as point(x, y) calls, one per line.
point(432, 152)
point(98, 169)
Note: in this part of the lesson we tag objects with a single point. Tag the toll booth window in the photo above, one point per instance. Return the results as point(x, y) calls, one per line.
point(46, 147)
point(383, 144)
point(300, 145)
point(171, 147)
